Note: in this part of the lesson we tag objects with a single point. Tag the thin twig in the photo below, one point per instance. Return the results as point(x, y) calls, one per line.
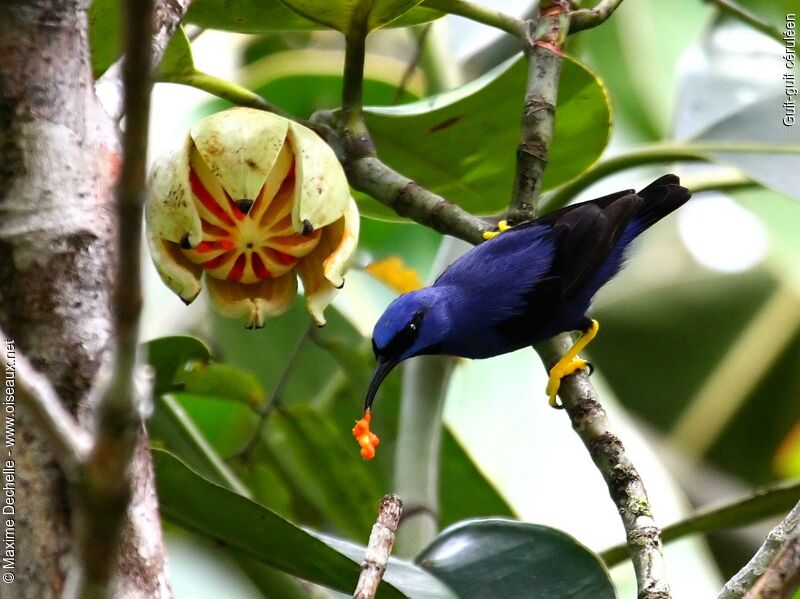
point(587, 18)
point(71, 443)
point(109, 87)
point(479, 14)
point(744, 15)
point(625, 486)
point(782, 578)
point(412, 63)
point(106, 487)
point(274, 399)
point(379, 547)
point(744, 580)
point(355, 137)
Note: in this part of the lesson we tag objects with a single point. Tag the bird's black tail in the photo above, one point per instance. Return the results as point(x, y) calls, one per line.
point(661, 197)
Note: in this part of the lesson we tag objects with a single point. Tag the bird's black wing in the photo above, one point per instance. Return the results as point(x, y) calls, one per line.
point(583, 236)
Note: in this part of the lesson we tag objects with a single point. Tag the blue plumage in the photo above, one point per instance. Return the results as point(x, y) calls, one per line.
point(527, 284)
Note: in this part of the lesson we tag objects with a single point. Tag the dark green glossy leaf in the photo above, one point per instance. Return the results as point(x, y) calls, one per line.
point(193, 503)
point(506, 559)
point(461, 144)
point(261, 16)
point(168, 354)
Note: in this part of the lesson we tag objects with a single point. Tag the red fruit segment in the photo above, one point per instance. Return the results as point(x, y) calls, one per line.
point(205, 197)
point(238, 268)
point(259, 268)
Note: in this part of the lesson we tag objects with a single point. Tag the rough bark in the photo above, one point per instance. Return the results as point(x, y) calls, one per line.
point(59, 157)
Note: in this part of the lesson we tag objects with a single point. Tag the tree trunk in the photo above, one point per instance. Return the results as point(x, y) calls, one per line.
point(59, 158)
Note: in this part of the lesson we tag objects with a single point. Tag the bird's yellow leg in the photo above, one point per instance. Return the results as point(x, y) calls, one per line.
point(502, 227)
point(569, 362)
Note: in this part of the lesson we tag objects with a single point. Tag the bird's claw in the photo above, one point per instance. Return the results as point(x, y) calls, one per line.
point(558, 372)
point(502, 227)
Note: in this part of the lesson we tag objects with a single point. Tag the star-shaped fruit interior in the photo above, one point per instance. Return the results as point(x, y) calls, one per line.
point(247, 239)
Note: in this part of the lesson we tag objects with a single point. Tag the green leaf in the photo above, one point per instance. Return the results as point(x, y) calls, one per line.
point(173, 429)
point(322, 460)
point(167, 354)
point(262, 16)
point(197, 505)
point(178, 59)
point(306, 80)
point(506, 559)
point(460, 144)
point(220, 381)
point(104, 34)
point(214, 512)
point(340, 14)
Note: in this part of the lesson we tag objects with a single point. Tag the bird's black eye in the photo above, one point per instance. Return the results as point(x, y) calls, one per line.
point(403, 339)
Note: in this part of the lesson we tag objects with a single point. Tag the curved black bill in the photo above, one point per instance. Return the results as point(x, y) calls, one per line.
point(382, 368)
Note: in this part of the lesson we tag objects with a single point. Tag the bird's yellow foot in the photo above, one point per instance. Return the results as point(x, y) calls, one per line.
point(558, 372)
point(570, 362)
point(367, 440)
point(502, 227)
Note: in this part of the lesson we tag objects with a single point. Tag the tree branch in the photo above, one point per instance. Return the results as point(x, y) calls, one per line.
point(71, 444)
point(542, 48)
point(625, 486)
point(107, 487)
point(166, 19)
point(744, 580)
point(379, 547)
point(782, 578)
point(577, 395)
point(407, 198)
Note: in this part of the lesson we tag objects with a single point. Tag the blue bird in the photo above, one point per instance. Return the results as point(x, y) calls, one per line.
point(522, 286)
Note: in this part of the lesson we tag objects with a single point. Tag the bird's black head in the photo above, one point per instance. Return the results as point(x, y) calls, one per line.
point(412, 325)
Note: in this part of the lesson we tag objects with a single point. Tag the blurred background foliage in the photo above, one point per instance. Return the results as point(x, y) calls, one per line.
point(260, 481)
